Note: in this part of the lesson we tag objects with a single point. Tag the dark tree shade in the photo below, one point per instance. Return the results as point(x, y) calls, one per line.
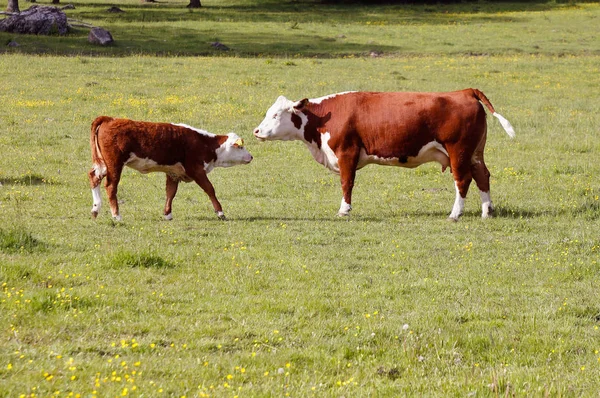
point(194, 4)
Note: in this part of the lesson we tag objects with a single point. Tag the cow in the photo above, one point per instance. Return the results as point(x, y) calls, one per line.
point(349, 130)
point(182, 152)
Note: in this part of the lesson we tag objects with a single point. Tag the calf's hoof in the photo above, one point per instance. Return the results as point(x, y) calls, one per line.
point(221, 216)
point(452, 219)
point(169, 217)
point(342, 214)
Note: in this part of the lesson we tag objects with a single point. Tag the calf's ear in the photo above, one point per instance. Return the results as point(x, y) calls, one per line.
point(298, 106)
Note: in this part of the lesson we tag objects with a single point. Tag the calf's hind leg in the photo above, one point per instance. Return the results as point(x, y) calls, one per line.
point(113, 176)
point(95, 180)
point(172, 186)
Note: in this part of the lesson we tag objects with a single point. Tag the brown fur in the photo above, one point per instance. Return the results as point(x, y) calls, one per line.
point(112, 141)
point(398, 125)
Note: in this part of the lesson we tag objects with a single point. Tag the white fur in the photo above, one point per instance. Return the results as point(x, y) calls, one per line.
point(324, 154)
point(199, 131)
point(486, 204)
point(99, 170)
point(505, 124)
point(277, 123)
point(169, 216)
point(430, 152)
point(229, 154)
point(344, 208)
point(459, 205)
point(321, 99)
point(146, 165)
point(97, 199)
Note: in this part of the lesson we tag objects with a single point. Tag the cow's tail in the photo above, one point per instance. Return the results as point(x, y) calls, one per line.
point(505, 123)
point(98, 165)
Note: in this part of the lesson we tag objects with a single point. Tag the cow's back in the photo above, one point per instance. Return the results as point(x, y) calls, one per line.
point(164, 143)
point(401, 123)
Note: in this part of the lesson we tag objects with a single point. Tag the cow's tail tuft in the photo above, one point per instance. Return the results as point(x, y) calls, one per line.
point(97, 160)
point(505, 123)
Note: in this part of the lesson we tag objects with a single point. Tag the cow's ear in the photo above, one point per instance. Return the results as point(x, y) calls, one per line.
point(298, 106)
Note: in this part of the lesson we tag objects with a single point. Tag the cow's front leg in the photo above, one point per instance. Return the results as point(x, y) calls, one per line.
point(171, 189)
point(347, 165)
point(201, 179)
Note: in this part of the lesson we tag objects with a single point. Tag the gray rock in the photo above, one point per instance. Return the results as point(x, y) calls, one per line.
point(37, 20)
point(100, 36)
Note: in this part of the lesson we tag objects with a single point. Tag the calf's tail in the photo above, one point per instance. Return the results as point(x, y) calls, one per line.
point(505, 123)
point(98, 164)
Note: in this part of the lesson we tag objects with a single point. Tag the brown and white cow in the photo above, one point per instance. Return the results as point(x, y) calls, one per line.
point(184, 153)
point(347, 131)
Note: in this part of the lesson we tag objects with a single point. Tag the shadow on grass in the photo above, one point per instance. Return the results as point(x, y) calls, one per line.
point(163, 28)
point(318, 12)
point(123, 259)
point(33, 179)
point(19, 240)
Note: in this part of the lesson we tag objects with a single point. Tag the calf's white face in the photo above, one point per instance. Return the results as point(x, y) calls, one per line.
point(278, 124)
point(232, 152)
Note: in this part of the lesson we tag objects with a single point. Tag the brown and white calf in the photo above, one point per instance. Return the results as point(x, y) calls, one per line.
point(347, 131)
point(184, 153)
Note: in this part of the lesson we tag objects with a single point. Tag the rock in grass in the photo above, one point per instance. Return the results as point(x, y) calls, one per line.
point(100, 36)
point(37, 20)
point(220, 46)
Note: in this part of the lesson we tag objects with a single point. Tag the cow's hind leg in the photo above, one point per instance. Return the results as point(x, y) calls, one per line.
point(172, 185)
point(113, 176)
point(462, 180)
point(481, 175)
point(95, 179)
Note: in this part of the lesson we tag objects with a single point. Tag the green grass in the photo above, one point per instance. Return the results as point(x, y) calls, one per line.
point(285, 298)
point(306, 29)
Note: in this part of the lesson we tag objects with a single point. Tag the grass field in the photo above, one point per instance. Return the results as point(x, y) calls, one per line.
point(285, 298)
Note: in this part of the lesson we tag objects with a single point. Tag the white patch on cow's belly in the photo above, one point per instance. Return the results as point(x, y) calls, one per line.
point(325, 154)
point(146, 165)
point(431, 152)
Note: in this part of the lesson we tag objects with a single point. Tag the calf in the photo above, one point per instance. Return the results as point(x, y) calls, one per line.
point(348, 131)
point(182, 152)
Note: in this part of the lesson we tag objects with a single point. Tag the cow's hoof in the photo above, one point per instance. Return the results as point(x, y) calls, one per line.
point(94, 215)
point(221, 216)
point(340, 214)
point(488, 214)
point(452, 219)
point(117, 218)
point(169, 217)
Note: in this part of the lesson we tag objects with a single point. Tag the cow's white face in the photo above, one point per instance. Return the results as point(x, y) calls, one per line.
point(232, 152)
point(278, 124)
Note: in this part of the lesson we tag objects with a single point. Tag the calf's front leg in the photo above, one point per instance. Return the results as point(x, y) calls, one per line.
point(199, 175)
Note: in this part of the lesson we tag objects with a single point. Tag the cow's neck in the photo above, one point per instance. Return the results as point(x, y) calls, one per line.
point(315, 137)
